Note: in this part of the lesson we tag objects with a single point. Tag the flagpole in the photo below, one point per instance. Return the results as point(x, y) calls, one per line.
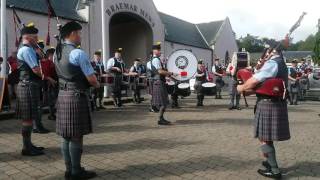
point(103, 23)
point(104, 41)
point(3, 38)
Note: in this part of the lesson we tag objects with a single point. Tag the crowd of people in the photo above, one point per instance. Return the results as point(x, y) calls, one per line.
point(71, 85)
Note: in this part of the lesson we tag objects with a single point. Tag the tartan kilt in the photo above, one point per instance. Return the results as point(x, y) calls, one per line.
point(150, 85)
point(198, 87)
point(293, 87)
point(73, 114)
point(159, 94)
point(271, 121)
point(219, 83)
point(116, 86)
point(28, 101)
point(304, 83)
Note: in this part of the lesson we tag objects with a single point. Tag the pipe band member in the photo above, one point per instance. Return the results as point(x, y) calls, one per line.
point(271, 115)
point(150, 84)
point(304, 81)
point(76, 75)
point(233, 82)
point(43, 89)
point(293, 83)
point(137, 70)
point(160, 97)
point(53, 86)
point(217, 70)
point(98, 67)
point(200, 79)
point(28, 89)
point(116, 66)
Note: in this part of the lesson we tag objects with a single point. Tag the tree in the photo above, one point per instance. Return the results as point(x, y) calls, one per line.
point(316, 50)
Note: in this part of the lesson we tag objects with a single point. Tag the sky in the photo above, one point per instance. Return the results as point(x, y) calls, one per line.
point(271, 18)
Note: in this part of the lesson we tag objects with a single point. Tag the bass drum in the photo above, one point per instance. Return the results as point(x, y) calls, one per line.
point(184, 89)
point(184, 63)
point(209, 89)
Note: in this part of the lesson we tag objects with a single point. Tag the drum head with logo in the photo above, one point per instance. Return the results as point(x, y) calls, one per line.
point(184, 63)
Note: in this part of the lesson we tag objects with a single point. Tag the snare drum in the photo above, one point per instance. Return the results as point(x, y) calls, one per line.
point(170, 86)
point(184, 89)
point(209, 89)
point(107, 80)
point(125, 80)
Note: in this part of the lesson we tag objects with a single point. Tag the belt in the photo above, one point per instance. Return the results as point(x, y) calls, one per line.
point(70, 87)
point(28, 82)
point(271, 100)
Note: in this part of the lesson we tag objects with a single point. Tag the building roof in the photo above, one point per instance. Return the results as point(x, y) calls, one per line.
point(297, 54)
point(183, 32)
point(176, 30)
point(210, 30)
point(289, 55)
point(63, 8)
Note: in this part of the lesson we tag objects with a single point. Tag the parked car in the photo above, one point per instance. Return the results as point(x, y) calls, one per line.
point(314, 89)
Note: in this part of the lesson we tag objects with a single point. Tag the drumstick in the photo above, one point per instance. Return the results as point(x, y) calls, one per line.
point(245, 99)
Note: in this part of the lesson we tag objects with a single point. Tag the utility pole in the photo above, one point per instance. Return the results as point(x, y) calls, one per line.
point(3, 43)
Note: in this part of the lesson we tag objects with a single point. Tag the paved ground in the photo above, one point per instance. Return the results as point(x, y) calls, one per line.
point(205, 143)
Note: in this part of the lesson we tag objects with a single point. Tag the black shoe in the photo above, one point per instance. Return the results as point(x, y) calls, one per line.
point(269, 174)
point(67, 175)
point(295, 103)
point(266, 165)
point(31, 152)
point(38, 148)
point(154, 110)
point(164, 122)
point(84, 174)
point(238, 108)
point(41, 131)
point(52, 117)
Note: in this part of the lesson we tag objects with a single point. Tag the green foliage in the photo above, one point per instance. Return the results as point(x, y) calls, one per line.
point(256, 44)
point(316, 50)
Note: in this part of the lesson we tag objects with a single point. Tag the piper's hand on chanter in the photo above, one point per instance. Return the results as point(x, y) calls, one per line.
point(116, 69)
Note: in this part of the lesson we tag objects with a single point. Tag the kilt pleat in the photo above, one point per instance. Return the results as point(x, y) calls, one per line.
point(28, 101)
point(271, 121)
point(159, 94)
point(73, 115)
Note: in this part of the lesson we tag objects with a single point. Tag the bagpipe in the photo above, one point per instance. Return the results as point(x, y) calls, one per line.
point(273, 87)
point(18, 25)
